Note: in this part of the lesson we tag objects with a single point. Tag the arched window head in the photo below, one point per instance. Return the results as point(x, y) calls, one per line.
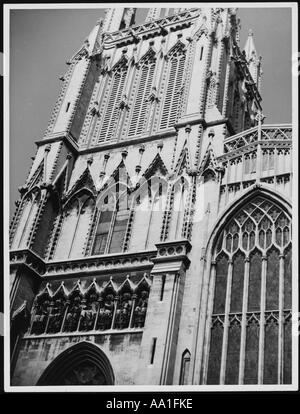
point(251, 305)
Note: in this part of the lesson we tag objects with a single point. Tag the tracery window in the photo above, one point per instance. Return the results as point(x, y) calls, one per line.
point(250, 325)
point(110, 109)
point(145, 78)
point(172, 98)
point(76, 218)
point(112, 224)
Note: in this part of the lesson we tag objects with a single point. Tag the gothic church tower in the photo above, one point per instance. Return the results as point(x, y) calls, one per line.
point(151, 243)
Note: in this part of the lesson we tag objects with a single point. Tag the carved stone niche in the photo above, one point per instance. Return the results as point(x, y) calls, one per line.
point(172, 256)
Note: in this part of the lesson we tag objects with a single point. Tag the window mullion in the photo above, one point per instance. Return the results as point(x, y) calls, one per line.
point(111, 229)
point(75, 231)
point(244, 320)
point(226, 322)
point(262, 320)
point(210, 301)
point(280, 319)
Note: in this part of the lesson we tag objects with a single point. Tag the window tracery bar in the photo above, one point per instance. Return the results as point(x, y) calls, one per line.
point(253, 266)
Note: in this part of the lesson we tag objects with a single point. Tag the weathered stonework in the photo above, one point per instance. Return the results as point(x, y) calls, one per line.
point(147, 161)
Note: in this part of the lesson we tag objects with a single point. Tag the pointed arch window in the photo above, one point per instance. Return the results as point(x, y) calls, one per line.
point(185, 366)
point(144, 79)
point(76, 220)
point(150, 202)
point(111, 109)
point(112, 222)
point(172, 98)
point(250, 333)
point(178, 206)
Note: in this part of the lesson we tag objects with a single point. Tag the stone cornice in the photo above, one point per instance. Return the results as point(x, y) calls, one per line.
point(28, 259)
point(110, 263)
point(167, 252)
point(170, 132)
point(83, 333)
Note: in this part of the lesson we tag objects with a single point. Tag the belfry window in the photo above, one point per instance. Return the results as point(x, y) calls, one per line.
point(171, 103)
point(144, 79)
point(110, 109)
point(250, 324)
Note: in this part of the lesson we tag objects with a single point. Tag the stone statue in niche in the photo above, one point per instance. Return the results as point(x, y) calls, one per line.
point(88, 313)
point(56, 316)
point(40, 318)
point(124, 311)
point(106, 312)
point(85, 374)
point(73, 315)
point(141, 310)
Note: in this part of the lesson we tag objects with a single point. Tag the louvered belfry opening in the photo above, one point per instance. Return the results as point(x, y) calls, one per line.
point(171, 102)
point(250, 327)
point(111, 109)
point(144, 77)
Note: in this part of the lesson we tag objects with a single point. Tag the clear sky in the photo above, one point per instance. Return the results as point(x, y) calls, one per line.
point(42, 40)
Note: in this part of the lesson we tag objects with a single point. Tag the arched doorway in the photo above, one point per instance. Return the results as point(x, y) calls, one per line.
point(81, 364)
point(248, 336)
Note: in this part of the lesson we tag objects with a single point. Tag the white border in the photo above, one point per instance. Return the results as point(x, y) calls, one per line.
point(145, 388)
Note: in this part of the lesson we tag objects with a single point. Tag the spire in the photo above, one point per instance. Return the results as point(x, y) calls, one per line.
point(93, 39)
point(250, 49)
point(253, 59)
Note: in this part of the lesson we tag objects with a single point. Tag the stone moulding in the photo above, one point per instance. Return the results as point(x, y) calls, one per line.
point(100, 264)
point(29, 260)
point(85, 265)
point(166, 252)
point(127, 331)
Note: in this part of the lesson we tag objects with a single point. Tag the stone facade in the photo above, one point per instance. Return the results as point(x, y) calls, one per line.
point(127, 236)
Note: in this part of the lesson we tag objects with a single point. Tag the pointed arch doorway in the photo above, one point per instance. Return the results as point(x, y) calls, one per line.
point(81, 364)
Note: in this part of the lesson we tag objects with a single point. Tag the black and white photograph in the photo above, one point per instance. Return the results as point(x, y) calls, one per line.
point(151, 172)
